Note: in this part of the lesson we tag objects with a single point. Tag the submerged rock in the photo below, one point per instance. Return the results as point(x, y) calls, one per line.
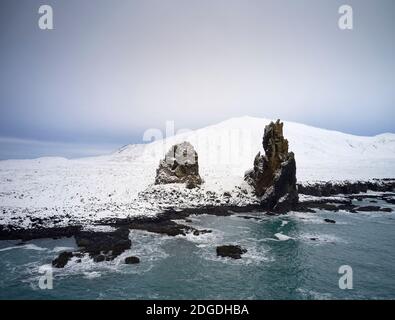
point(132, 260)
point(62, 260)
point(274, 174)
point(329, 221)
point(373, 209)
point(180, 165)
point(231, 251)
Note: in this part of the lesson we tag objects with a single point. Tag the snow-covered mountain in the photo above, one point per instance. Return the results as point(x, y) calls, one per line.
point(226, 150)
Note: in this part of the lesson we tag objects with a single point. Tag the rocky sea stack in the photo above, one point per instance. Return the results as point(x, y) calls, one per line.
point(274, 174)
point(180, 165)
point(231, 251)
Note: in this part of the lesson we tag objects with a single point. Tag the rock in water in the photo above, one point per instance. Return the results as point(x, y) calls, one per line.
point(132, 260)
point(62, 259)
point(231, 251)
point(104, 245)
point(274, 174)
point(180, 165)
point(329, 221)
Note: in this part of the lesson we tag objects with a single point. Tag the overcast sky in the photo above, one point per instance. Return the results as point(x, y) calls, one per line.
point(112, 68)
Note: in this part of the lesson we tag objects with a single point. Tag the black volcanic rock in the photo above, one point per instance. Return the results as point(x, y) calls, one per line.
point(230, 251)
point(10, 232)
point(274, 174)
point(329, 220)
point(373, 209)
point(132, 260)
point(325, 189)
point(108, 244)
point(62, 260)
point(161, 226)
point(99, 258)
point(368, 208)
point(180, 165)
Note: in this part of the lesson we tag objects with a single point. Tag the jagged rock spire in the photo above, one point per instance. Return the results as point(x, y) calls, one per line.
point(274, 174)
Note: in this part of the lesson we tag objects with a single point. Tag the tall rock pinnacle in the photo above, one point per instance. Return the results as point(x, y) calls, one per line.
point(274, 174)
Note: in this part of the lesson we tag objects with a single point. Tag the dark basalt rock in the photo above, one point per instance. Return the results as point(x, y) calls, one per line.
point(373, 209)
point(329, 220)
point(132, 260)
point(180, 165)
point(164, 225)
point(231, 251)
point(62, 260)
point(10, 232)
point(325, 189)
point(336, 205)
point(368, 208)
point(161, 226)
point(108, 244)
point(328, 205)
point(274, 174)
point(199, 232)
point(99, 258)
point(250, 218)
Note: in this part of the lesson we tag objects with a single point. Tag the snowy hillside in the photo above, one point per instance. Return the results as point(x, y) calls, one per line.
point(110, 185)
point(227, 150)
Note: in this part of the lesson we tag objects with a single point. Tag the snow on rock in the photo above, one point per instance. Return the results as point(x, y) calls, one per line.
point(122, 184)
point(180, 165)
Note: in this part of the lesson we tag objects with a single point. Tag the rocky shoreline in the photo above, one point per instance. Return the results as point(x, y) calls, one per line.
point(326, 189)
point(107, 245)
